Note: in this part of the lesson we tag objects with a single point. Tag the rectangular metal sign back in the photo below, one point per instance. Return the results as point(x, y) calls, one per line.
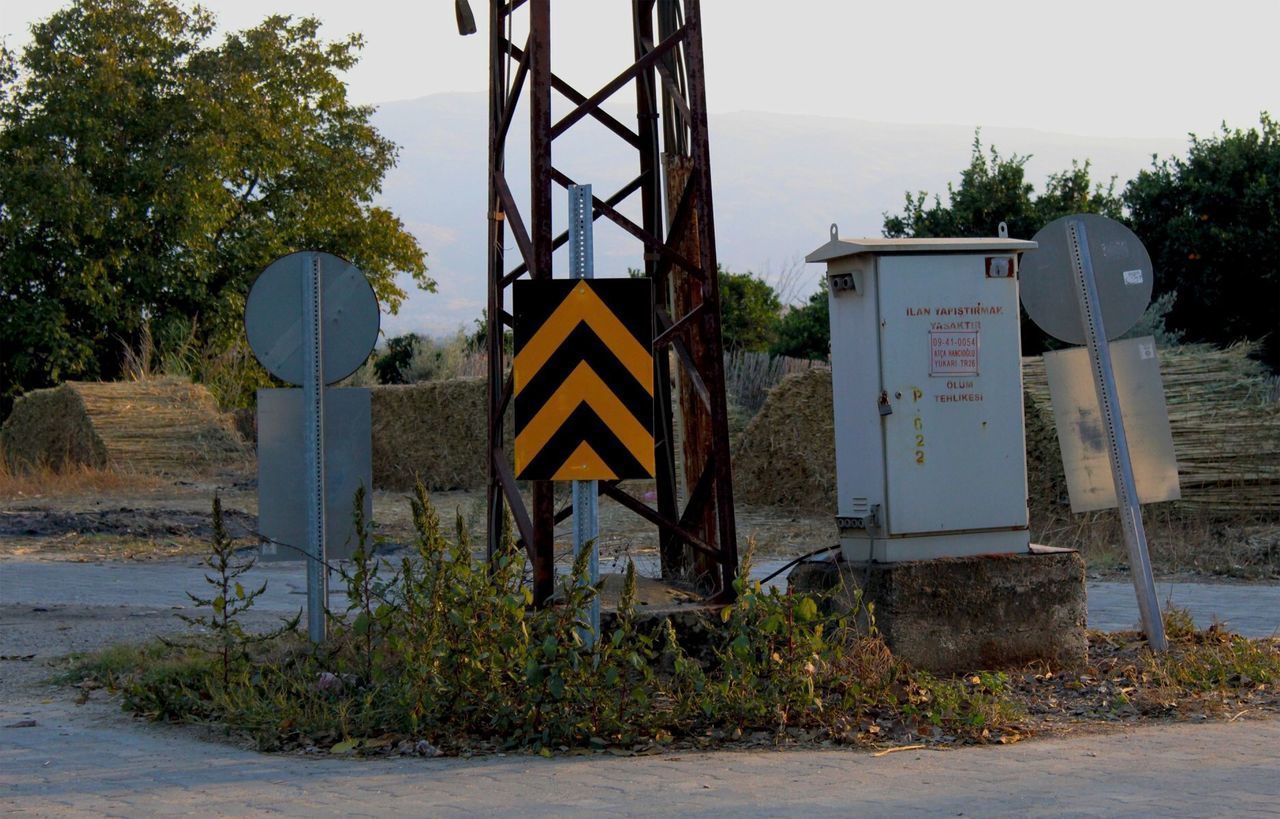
point(583, 373)
point(281, 469)
point(1085, 459)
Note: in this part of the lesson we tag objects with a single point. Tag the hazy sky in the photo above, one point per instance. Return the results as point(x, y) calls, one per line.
point(1116, 68)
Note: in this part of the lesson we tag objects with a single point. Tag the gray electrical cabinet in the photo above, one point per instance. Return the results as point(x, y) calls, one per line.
point(927, 381)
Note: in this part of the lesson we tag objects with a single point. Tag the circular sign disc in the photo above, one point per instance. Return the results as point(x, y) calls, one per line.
point(1121, 268)
point(273, 317)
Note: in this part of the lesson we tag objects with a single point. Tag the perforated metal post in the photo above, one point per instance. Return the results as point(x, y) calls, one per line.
point(586, 494)
point(313, 408)
point(1135, 535)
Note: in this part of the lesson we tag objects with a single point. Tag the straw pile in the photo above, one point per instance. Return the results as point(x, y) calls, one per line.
point(162, 426)
point(433, 431)
point(1222, 411)
point(787, 456)
point(1226, 430)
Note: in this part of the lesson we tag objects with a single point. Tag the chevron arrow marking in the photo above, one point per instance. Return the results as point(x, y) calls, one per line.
point(582, 305)
point(583, 386)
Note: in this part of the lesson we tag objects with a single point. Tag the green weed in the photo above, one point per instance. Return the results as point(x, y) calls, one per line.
point(445, 649)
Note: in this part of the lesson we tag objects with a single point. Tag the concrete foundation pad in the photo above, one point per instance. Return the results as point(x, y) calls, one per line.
point(966, 613)
point(693, 618)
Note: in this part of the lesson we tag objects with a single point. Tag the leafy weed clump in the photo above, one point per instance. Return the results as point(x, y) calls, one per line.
point(441, 653)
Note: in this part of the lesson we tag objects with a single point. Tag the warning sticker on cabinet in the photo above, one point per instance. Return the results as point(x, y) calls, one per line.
point(953, 352)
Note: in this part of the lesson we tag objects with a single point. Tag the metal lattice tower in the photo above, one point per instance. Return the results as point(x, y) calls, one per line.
point(676, 238)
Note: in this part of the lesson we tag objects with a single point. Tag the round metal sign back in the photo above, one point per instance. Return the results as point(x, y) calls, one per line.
point(1121, 267)
point(275, 325)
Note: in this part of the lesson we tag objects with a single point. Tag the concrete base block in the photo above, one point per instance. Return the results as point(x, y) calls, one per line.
point(967, 613)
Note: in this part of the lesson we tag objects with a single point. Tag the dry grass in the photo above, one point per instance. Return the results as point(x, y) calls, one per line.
point(1181, 540)
point(1209, 673)
point(749, 376)
point(77, 480)
point(76, 548)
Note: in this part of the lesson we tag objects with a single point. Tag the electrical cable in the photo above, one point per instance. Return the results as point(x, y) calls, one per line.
point(799, 560)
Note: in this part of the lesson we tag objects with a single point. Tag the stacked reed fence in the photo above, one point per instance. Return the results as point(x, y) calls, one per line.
point(1224, 419)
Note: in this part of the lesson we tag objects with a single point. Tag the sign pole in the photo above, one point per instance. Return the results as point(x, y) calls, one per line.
point(313, 408)
point(1135, 535)
point(586, 497)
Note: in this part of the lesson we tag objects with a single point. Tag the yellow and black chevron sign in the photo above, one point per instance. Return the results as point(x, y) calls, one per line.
point(583, 379)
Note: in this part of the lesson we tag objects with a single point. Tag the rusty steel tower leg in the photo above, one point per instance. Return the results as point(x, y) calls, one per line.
point(713, 367)
point(540, 216)
point(670, 549)
point(676, 249)
point(495, 506)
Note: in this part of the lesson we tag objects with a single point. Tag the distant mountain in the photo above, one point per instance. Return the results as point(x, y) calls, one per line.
point(780, 181)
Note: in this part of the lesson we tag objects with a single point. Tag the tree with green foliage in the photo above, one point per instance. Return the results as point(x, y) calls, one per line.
point(994, 189)
point(749, 311)
point(1211, 222)
point(805, 331)
point(148, 174)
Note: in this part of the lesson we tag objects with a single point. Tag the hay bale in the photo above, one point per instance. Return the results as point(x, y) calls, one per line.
point(433, 431)
point(51, 429)
point(161, 426)
point(787, 456)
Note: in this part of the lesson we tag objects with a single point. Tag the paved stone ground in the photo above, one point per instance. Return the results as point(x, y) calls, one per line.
point(1251, 609)
point(89, 762)
point(92, 760)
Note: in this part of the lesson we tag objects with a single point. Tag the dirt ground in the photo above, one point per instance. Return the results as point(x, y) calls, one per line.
point(148, 519)
point(162, 519)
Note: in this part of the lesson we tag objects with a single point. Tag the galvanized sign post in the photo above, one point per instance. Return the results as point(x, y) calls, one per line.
point(586, 497)
point(313, 434)
point(1085, 297)
point(311, 319)
point(1135, 535)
